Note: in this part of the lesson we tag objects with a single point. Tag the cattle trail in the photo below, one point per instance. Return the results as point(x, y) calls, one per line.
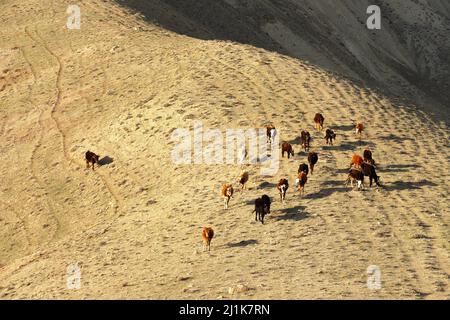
point(32, 165)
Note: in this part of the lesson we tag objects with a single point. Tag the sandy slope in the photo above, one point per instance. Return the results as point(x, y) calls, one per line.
point(119, 87)
point(407, 57)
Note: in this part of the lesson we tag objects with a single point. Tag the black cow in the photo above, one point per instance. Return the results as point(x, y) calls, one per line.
point(312, 160)
point(303, 168)
point(266, 199)
point(259, 210)
point(367, 155)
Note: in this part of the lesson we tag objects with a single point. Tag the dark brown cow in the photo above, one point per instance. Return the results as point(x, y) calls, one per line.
point(282, 187)
point(91, 158)
point(369, 171)
point(330, 136)
point(318, 121)
point(301, 182)
point(313, 158)
point(367, 155)
point(287, 147)
point(271, 132)
point(243, 179)
point(357, 175)
point(305, 140)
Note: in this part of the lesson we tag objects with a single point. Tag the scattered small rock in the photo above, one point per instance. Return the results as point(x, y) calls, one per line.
point(238, 289)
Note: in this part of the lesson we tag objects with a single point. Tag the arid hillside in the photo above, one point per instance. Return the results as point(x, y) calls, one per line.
point(124, 82)
point(408, 57)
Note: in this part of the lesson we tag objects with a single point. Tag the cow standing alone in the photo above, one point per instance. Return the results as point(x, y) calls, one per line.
point(91, 158)
point(359, 129)
point(207, 235)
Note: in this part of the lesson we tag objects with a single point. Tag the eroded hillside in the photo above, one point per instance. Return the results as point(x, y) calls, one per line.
point(120, 86)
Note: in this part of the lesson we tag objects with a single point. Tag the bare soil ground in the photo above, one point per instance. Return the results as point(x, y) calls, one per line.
point(119, 87)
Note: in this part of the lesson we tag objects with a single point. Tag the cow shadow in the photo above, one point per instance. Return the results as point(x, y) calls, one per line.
point(409, 185)
point(243, 243)
point(334, 147)
point(398, 167)
point(393, 137)
point(353, 145)
point(295, 141)
point(303, 153)
point(349, 127)
point(333, 183)
point(250, 202)
point(266, 185)
point(326, 192)
point(105, 161)
point(296, 213)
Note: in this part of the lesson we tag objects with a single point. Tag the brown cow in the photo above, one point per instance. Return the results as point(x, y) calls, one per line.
point(243, 179)
point(207, 235)
point(282, 187)
point(359, 129)
point(287, 147)
point(227, 194)
point(318, 121)
point(357, 161)
point(357, 175)
point(271, 133)
point(91, 158)
point(301, 182)
point(305, 140)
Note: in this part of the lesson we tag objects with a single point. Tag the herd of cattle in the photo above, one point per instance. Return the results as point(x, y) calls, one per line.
point(360, 167)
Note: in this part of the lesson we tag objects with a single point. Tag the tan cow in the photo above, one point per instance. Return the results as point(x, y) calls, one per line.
point(207, 235)
point(227, 194)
